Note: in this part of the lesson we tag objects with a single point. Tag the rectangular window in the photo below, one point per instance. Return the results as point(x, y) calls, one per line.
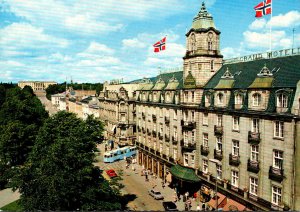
point(193, 116)
point(235, 147)
point(254, 153)
point(235, 178)
point(276, 195)
point(253, 186)
point(205, 139)
point(185, 137)
point(123, 117)
point(186, 95)
point(193, 137)
point(277, 159)
point(205, 166)
point(175, 133)
point(219, 143)
point(185, 116)
point(186, 159)
point(219, 171)
point(192, 160)
point(175, 115)
point(175, 154)
point(236, 123)
point(160, 147)
point(255, 125)
point(278, 129)
point(219, 120)
point(205, 119)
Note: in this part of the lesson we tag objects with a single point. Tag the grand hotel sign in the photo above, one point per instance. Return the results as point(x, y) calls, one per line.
point(266, 55)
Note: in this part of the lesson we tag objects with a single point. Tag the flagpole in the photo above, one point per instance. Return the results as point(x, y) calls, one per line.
point(271, 27)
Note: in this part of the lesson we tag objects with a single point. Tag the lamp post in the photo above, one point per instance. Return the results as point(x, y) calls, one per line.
point(217, 162)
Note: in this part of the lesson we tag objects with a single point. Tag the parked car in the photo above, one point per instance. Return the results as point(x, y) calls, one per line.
point(111, 173)
point(155, 194)
point(170, 206)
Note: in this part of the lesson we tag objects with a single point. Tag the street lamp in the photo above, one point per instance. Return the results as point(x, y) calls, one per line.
point(217, 162)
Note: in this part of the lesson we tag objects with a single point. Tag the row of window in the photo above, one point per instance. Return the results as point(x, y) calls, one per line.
point(281, 99)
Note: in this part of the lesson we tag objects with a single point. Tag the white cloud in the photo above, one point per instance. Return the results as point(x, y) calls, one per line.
point(96, 50)
point(289, 19)
point(258, 24)
point(86, 25)
point(17, 37)
point(133, 43)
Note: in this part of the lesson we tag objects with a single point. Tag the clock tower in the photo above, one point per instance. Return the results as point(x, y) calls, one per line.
point(203, 57)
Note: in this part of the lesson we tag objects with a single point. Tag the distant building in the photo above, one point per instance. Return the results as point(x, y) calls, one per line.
point(36, 85)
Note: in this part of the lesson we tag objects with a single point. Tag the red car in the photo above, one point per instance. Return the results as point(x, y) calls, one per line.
point(111, 173)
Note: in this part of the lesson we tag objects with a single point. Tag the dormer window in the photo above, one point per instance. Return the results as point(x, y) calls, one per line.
point(238, 99)
point(256, 99)
point(282, 100)
point(207, 100)
point(220, 98)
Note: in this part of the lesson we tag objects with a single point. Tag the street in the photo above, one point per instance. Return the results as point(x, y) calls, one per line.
point(135, 184)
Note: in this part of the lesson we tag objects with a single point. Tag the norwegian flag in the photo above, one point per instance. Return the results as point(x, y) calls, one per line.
point(263, 8)
point(160, 45)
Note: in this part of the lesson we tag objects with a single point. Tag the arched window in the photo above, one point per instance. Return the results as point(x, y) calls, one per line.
point(282, 100)
point(256, 99)
point(193, 42)
point(238, 100)
point(220, 98)
point(209, 45)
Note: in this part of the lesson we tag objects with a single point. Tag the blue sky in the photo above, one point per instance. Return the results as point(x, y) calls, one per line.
point(99, 40)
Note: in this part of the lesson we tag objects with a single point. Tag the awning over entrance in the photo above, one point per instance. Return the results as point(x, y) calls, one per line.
point(184, 173)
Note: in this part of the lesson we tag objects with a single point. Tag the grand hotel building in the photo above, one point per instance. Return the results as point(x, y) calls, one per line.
point(235, 123)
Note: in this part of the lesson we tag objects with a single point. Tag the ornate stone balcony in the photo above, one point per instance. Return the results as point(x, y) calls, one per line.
point(154, 118)
point(253, 138)
point(218, 130)
point(218, 154)
point(167, 120)
point(204, 150)
point(276, 174)
point(234, 160)
point(174, 141)
point(188, 147)
point(253, 166)
point(188, 125)
point(153, 133)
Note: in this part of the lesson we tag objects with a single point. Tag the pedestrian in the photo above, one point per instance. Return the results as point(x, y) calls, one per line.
point(198, 208)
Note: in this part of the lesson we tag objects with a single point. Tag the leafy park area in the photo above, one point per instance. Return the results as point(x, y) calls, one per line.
point(49, 160)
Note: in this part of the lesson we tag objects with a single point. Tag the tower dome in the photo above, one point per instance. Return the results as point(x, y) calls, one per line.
point(203, 20)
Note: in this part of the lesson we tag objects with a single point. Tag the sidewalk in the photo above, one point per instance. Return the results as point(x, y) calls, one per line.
point(7, 196)
point(167, 192)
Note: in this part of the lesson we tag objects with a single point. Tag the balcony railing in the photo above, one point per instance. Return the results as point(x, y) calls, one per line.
point(160, 136)
point(174, 140)
point(218, 154)
point(167, 138)
point(153, 133)
point(188, 147)
point(154, 118)
point(276, 174)
point(234, 160)
point(253, 138)
point(218, 130)
point(204, 150)
point(167, 120)
point(188, 125)
point(253, 166)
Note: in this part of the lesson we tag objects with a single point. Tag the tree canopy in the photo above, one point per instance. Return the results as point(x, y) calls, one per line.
point(21, 115)
point(60, 174)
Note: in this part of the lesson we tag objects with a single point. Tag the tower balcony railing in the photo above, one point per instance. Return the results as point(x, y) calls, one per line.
point(188, 147)
point(188, 125)
point(218, 154)
point(234, 160)
point(253, 166)
point(276, 174)
point(218, 130)
point(204, 150)
point(253, 138)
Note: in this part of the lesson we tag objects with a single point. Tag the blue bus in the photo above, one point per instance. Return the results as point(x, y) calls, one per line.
point(119, 154)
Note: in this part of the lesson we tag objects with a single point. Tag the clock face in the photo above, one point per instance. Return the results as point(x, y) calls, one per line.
point(210, 35)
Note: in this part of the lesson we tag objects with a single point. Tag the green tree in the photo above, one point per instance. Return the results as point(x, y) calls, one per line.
point(21, 115)
point(60, 174)
point(54, 89)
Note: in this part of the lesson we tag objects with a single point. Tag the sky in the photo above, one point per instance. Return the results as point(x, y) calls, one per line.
point(101, 40)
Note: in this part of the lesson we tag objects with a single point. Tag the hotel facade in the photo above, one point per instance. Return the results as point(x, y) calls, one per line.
point(235, 123)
